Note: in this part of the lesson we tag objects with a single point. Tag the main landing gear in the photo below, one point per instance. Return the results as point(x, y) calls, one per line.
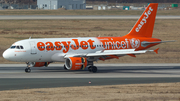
point(92, 69)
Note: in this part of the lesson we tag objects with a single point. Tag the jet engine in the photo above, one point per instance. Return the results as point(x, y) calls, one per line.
point(75, 63)
point(37, 64)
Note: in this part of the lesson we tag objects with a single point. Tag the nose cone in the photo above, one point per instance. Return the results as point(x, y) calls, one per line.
point(6, 55)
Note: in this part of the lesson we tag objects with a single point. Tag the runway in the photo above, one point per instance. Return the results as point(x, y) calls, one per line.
point(104, 71)
point(72, 17)
point(12, 76)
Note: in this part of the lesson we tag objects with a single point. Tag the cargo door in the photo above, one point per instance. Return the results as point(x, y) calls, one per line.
point(33, 47)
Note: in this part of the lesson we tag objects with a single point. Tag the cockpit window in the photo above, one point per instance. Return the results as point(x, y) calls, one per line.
point(21, 47)
point(12, 47)
point(16, 47)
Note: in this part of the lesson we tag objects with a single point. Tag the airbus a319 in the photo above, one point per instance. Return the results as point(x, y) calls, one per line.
point(79, 53)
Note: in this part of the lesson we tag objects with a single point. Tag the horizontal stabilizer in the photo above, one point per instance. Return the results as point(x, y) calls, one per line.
point(156, 42)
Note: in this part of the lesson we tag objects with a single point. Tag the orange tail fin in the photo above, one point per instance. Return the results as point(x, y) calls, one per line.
point(144, 26)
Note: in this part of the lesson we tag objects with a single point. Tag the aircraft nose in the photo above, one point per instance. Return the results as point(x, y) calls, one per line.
point(6, 55)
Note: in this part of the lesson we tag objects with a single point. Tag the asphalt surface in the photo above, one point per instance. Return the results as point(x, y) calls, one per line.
point(12, 76)
point(29, 83)
point(50, 17)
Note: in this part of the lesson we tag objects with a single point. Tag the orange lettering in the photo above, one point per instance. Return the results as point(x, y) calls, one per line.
point(49, 46)
point(41, 46)
point(110, 45)
point(66, 46)
point(84, 45)
point(91, 43)
point(58, 46)
point(77, 44)
point(103, 44)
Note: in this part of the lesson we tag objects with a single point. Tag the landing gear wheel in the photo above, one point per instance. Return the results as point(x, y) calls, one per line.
point(65, 67)
point(92, 69)
point(27, 70)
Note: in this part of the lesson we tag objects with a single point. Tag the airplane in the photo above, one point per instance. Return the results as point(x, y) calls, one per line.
point(79, 53)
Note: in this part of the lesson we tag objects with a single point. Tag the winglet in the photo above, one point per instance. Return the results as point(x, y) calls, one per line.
point(156, 50)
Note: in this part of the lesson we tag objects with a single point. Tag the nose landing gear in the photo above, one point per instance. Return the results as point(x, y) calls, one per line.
point(28, 70)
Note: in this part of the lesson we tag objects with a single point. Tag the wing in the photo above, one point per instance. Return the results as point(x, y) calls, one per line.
point(116, 52)
point(108, 53)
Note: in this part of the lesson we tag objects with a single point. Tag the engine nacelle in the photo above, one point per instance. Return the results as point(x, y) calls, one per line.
point(75, 63)
point(38, 64)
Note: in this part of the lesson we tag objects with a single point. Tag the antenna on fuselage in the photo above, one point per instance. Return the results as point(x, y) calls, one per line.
point(30, 36)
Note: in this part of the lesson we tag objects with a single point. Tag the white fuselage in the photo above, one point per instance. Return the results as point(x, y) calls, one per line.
point(50, 52)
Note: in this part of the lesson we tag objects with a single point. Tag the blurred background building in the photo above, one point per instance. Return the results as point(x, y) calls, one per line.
point(88, 4)
point(66, 4)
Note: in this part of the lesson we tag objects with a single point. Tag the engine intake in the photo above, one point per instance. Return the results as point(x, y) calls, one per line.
point(75, 63)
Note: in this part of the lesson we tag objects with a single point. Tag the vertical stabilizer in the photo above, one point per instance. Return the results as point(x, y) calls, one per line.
point(145, 25)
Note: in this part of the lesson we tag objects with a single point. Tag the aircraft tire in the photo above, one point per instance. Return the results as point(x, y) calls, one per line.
point(94, 69)
point(27, 70)
point(90, 68)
